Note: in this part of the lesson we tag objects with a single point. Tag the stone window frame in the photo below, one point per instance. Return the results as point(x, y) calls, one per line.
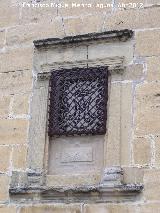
point(36, 180)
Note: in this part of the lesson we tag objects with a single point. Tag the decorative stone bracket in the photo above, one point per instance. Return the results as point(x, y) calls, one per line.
point(112, 49)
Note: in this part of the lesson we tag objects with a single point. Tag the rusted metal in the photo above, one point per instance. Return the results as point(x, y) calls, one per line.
point(78, 101)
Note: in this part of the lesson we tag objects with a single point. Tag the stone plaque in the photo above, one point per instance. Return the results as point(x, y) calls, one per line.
point(77, 155)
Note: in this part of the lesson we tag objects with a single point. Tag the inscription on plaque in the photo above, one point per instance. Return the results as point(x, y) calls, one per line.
point(77, 155)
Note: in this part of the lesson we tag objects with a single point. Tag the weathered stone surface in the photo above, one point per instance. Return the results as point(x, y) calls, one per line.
point(152, 2)
point(133, 175)
point(21, 104)
point(59, 208)
point(152, 184)
point(19, 2)
point(9, 15)
point(109, 208)
point(19, 59)
point(87, 24)
point(149, 208)
point(148, 43)
point(112, 146)
point(72, 180)
point(122, 208)
point(111, 50)
point(112, 175)
point(37, 126)
point(157, 151)
point(133, 19)
point(147, 114)
point(153, 68)
point(19, 180)
point(142, 151)
point(76, 155)
point(2, 38)
point(39, 14)
point(13, 131)
point(5, 153)
point(25, 34)
point(133, 72)
point(4, 105)
point(65, 54)
point(8, 209)
point(4, 188)
point(15, 82)
point(73, 26)
point(126, 123)
point(19, 156)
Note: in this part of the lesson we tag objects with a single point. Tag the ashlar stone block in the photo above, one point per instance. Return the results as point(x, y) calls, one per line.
point(152, 184)
point(13, 131)
point(5, 152)
point(148, 43)
point(59, 208)
point(147, 114)
point(4, 105)
point(4, 188)
point(142, 151)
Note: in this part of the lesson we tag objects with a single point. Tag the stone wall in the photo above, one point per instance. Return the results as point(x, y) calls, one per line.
point(19, 26)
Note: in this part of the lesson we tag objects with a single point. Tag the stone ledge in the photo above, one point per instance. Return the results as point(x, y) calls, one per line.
point(85, 194)
point(116, 35)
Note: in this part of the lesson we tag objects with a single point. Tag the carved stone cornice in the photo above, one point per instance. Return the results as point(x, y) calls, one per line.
point(85, 194)
point(30, 185)
point(116, 35)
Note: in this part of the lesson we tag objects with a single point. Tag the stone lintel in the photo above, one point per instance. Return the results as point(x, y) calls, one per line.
point(114, 65)
point(116, 35)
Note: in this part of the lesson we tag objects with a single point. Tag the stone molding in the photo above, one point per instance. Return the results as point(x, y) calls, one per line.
point(28, 186)
point(112, 176)
point(120, 35)
point(114, 64)
point(86, 194)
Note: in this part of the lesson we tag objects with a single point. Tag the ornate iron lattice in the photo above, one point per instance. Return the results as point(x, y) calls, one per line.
point(78, 101)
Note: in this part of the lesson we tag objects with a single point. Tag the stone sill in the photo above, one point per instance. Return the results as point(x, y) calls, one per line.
point(86, 194)
point(116, 35)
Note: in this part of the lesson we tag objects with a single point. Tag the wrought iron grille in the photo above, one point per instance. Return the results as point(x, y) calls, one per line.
point(78, 101)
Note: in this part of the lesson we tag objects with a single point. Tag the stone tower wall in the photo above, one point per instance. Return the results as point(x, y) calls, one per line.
point(19, 26)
